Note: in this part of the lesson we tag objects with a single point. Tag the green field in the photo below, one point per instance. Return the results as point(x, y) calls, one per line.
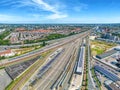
point(99, 47)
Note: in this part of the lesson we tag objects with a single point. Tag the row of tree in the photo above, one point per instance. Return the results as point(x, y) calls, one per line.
point(2, 36)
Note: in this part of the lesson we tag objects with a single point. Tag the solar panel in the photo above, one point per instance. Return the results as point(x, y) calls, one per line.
point(47, 66)
point(108, 74)
point(106, 54)
point(81, 57)
point(80, 62)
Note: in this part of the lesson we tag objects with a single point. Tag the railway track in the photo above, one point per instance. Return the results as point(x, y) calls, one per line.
point(26, 75)
point(85, 72)
point(38, 53)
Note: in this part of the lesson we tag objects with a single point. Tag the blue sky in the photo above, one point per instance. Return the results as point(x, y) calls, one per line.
point(59, 11)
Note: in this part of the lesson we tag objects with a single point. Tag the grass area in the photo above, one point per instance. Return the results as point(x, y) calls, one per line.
point(2, 67)
point(27, 49)
point(99, 47)
point(44, 54)
point(14, 82)
point(22, 51)
point(2, 36)
point(55, 36)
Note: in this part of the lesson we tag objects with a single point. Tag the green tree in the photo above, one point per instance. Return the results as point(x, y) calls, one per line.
point(2, 57)
point(43, 44)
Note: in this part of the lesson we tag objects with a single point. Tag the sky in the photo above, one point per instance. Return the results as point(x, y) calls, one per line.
point(59, 11)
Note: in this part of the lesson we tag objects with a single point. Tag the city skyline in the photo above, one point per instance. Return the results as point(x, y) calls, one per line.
point(59, 11)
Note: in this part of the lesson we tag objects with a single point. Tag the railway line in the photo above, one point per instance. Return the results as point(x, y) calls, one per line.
point(44, 49)
point(84, 85)
point(34, 67)
point(61, 73)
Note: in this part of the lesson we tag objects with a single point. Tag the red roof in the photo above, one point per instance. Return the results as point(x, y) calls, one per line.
point(38, 30)
point(5, 52)
point(42, 31)
point(20, 29)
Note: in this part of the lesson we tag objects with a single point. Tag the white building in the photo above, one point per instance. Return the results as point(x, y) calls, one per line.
point(92, 37)
point(7, 53)
point(2, 30)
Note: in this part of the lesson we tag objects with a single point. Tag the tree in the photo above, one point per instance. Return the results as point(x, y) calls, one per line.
point(43, 43)
point(2, 57)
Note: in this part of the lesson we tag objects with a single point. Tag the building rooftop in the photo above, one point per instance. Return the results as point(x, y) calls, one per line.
point(108, 82)
point(107, 73)
point(80, 62)
point(20, 29)
point(41, 30)
point(5, 52)
point(114, 86)
point(106, 54)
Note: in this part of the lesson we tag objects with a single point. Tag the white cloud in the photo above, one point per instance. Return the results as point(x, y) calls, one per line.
point(20, 19)
point(45, 6)
point(56, 13)
point(37, 15)
point(57, 16)
point(4, 17)
point(81, 6)
point(38, 5)
point(16, 19)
